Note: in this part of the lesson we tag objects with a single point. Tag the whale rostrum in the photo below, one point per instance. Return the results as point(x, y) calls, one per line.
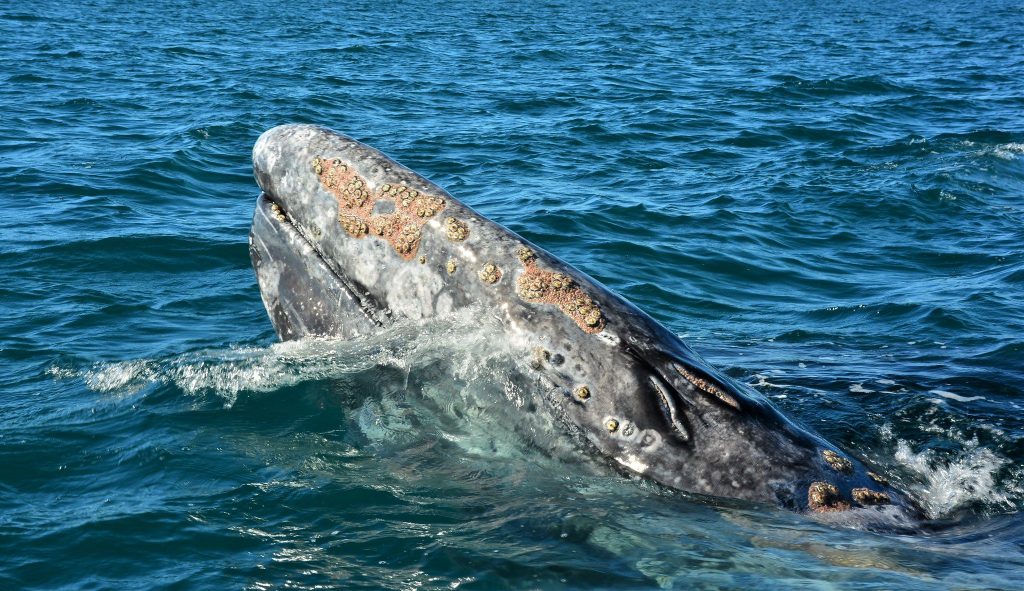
point(346, 242)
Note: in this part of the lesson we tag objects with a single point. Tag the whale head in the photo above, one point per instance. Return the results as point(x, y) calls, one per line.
point(346, 242)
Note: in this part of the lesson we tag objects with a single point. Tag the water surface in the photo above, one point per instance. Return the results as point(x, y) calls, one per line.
point(823, 198)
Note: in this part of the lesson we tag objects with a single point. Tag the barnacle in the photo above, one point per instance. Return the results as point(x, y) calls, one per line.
point(457, 230)
point(866, 496)
point(823, 497)
point(838, 462)
point(490, 273)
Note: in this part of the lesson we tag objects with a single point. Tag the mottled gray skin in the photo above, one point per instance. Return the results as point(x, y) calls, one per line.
point(318, 280)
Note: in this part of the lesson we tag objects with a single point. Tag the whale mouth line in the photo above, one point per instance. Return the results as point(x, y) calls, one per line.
point(374, 310)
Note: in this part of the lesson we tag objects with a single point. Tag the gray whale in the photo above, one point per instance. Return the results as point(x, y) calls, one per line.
point(346, 242)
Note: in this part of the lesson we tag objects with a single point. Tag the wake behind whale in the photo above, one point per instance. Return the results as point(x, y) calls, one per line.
point(347, 242)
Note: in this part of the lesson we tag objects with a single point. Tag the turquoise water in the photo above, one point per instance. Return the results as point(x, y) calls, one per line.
point(824, 199)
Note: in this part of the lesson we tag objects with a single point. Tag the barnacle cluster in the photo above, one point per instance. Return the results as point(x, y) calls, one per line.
point(866, 496)
point(823, 497)
point(407, 240)
point(354, 225)
point(549, 287)
point(706, 386)
point(490, 273)
point(838, 462)
point(418, 204)
point(402, 227)
point(456, 229)
point(278, 213)
point(526, 255)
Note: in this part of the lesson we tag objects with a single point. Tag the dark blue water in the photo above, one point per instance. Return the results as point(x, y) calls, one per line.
point(825, 199)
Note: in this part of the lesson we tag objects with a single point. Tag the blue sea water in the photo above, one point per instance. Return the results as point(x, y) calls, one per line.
point(825, 199)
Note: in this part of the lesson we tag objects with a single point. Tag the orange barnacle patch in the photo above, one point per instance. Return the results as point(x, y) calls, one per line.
point(407, 240)
point(548, 287)
point(402, 228)
point(837, 462)
point(425, 206)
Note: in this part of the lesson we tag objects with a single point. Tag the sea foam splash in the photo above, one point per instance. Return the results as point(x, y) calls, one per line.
point(951, 480)
point(228, 372)
point(1008, 151)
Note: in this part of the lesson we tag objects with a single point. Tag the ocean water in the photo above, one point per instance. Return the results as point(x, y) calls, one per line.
point(825, 199)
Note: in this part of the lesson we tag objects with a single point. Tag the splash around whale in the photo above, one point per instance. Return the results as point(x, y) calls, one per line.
point(347, 242)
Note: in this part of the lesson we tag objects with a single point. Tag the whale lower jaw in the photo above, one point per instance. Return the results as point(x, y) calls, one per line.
point(304, 293)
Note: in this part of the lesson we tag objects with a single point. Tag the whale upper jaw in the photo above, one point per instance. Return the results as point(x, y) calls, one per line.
point(345, 242)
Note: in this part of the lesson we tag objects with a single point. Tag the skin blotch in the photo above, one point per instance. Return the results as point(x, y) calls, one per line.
point(456, 230)
point(582, 393)
point(707, 387)
point(823, 497)
point(838, 462)
point(878, 479)
point(490, 273)
point(452, 266)
point(401, 227)
point(866, 496)
point(548, 287)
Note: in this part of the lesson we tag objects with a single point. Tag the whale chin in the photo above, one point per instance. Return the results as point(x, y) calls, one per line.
point(346, 242)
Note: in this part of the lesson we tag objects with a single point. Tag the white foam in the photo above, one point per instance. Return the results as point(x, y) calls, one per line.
point(1008, 151)
point(227, 372)
point(957, 397)
point(951, 482)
